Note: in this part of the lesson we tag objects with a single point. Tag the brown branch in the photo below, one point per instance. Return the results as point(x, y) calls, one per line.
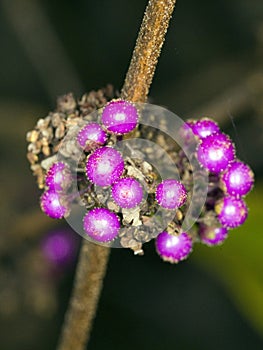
point(147, 50)
point(93, 259)
point(88, 284)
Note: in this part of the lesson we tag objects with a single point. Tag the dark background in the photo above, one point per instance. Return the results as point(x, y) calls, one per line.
point(211, 64)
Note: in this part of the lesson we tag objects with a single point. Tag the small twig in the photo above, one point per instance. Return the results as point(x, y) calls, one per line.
point(93, 258)
point(147, 50)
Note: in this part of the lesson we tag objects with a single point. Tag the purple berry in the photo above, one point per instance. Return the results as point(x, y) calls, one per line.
point(171, 194)
point(215, 152)
point(91, 136)
point(186, 133)
point(231, 212)
point(58, 177)
point(104, 166)
point(59, 247)
point(101, 224)
point(212, 235)
point(173, 248)
point(127, 192)
point(238, 179)
point(205, 127)
point(120, 117)
point(53, 205)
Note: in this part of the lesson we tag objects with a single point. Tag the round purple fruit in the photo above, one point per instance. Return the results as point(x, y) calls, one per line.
point(231, 212)
point(238, 179)
point(171, 194)
point(101, 224)
point(120, 117)
point(104, 166)
point(215, 152)
point(205, 127)
point(173, 248)
point(91, 136)
point(127, 192)
point(58, 177)
point(53, 205)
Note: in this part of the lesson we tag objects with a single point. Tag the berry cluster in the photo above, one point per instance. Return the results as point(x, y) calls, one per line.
point(231, 178)
point(229, 181)
point(119, 192)
point(105, 167)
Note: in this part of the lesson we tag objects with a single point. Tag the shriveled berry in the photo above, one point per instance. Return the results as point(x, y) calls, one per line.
point(211, 235)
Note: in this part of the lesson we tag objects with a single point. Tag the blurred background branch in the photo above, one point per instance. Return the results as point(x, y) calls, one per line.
point(42, 46)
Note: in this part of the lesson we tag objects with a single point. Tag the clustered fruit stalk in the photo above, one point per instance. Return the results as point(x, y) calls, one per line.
point(93, 258)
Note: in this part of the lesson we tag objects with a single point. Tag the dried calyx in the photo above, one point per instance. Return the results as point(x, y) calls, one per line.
point(45, 139)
